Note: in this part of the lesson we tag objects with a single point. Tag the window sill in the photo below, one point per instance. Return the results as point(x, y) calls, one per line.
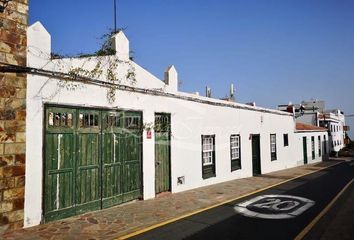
point(209, 176)
point(235, 169)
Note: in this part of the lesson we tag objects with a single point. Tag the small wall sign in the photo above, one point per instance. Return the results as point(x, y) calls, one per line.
point(148, 134)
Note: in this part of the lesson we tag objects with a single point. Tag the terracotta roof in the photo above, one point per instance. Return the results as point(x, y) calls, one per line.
point(307, 127)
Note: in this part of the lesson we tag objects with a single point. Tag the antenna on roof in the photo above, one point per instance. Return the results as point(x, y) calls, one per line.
point(115, 16)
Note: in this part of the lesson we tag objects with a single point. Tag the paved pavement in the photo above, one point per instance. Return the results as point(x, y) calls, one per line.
point(281, 212)
point(124, 219)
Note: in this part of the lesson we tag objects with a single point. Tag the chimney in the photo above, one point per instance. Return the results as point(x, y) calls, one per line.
point(232, 92)
point(39, 46)
point(171, 79)
point(120, 43)
point(290, 108)
point(208, 92)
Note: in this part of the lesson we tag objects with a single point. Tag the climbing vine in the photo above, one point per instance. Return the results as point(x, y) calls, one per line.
point(106, 67)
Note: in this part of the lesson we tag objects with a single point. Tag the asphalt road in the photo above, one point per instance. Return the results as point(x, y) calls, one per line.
point(265, 215)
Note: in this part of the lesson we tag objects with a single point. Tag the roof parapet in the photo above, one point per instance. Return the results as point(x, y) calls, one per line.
point(171, 79)
point(120, 44)
point(38, 45)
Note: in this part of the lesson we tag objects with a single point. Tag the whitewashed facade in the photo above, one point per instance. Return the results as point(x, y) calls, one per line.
point(334, 121)
point(192, 117)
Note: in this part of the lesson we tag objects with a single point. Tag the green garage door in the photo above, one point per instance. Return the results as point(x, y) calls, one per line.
point(121, 157)
point(92, 160)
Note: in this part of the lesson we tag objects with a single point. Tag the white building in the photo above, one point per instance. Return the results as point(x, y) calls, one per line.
point(119, 134)
point(313, 112)
point(334, 121)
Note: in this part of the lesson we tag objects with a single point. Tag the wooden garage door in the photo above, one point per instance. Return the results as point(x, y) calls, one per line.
point(59, 181)
point(88, 161)
point(121, 157)
point(92, 160)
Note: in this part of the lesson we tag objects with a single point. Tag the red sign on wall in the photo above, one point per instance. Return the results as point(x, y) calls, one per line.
point(148, 134)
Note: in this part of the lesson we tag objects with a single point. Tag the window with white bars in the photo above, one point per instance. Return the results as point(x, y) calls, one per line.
point(208, 150)
point(235, 147)
point(235, 152)
point(273, 146)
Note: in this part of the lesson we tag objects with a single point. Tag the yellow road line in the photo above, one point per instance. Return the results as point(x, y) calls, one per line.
point(216, 205)
point(307, 229)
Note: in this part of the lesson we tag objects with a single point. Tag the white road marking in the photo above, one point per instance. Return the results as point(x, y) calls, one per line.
point(280, 206)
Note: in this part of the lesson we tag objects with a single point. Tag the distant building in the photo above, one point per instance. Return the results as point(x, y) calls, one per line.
point(313, 112)
point(334, 121)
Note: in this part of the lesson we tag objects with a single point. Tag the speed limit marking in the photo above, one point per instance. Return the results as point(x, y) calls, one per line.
point(274, 206)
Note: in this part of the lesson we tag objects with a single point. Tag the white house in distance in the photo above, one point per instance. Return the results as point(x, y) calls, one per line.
point(102, 130)
point(334, 121)
point(313, 112)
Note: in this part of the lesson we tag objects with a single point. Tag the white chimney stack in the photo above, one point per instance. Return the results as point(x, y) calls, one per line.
point(171, 79)
point(39, 46)
point(120, 43)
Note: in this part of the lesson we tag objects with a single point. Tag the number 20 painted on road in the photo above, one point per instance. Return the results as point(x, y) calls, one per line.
point(274, 206)
point(277, 204)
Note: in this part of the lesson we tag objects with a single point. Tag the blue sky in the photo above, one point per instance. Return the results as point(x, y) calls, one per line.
point(274, 51)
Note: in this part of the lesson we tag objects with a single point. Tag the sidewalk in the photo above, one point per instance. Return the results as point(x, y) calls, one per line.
point(124, 219)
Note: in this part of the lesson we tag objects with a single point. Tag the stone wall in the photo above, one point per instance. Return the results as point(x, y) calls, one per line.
point(13, 24)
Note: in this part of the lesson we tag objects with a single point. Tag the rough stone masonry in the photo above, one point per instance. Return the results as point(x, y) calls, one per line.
point(13, 24)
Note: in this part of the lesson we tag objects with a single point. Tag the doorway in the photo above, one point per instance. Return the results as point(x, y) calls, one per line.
point(304, 143)
point(162, 152)
point(256, 155)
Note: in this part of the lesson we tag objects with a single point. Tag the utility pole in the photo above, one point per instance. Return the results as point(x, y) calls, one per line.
point(115, 16)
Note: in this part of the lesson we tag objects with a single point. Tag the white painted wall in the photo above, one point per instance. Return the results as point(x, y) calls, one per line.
point(189, 120)
point(337, 135)
point(299, 146)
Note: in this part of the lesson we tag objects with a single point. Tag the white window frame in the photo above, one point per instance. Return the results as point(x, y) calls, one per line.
point(235, 147)
point(208, 150)
point(273, 146)
point(273, 143)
